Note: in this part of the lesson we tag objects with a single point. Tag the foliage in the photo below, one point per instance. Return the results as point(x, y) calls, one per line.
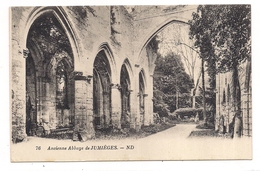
point(160, 106)
point(188, 112)
point(223, 35)
point(210, 100)
point(205, 126)
point(170, 78)
point(49, 35)
point(170, 75)
point(222, 32)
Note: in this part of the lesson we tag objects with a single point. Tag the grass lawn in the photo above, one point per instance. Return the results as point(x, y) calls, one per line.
point(207, 130)
point(109, 133)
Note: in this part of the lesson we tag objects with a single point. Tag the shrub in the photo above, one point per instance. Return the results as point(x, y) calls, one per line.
point(172, 117)
point(205, 126)
point(188, 112)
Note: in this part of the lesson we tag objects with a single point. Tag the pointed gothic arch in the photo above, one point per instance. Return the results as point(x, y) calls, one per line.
point(102, 76)
point(60, 14)
point(142, 95)
point(44, 33)
point(125, 82)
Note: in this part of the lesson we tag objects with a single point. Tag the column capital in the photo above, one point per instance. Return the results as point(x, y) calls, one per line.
point(129, 92)
point(116, 86)
point(25, 53)
point(78, 75)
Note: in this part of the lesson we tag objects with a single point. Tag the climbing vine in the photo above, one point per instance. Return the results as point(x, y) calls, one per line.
point(113, 24)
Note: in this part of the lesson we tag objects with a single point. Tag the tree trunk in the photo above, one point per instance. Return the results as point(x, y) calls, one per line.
point(194, 91)
point(203, 89)
point(177, 100)
point(236, 93)
point(193, 101)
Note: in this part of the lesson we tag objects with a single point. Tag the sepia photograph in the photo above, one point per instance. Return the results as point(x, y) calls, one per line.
point(130, 83)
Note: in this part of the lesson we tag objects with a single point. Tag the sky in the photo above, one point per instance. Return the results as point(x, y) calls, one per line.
point(175, 38)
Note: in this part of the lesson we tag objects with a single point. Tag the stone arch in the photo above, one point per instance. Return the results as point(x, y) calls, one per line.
point(35, 50)
point(52, 65)
point(103, 73)
point(60, 14)
point(143, 74)
point(53, 113)
point(146, 58)
point(126, 84)
point(112, 62)
point(48, 62)
point(130, 71)
point(97, 101)
point(64, 92)
point(156, 30)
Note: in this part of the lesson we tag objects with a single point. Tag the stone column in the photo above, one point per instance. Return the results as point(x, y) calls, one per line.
point(138, 123)
point(106, 108)
point(48, 104)
point(146, 109)
point(54, 120)
point(116, 105)
point(150, 100)
point(217, 101)
point(39, 98)
point(132, 109)
point(228, 116)
point(84, 105)
point(18, 86)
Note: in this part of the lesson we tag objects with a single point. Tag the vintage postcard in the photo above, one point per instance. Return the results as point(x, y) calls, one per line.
point(120, 83)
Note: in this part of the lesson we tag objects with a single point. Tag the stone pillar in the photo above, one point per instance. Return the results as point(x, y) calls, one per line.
point(84, 105)
point(228, 116)
point(39, 99)
point(106, 108)
point(49, 104)
point(150, 109)
point(132, 109)
point(217, 117)
point(18, 85)
point(52, 105)
point(150, 100)
point(116, 105)
point(138, 123)
point(148, 106)
point(146, 109)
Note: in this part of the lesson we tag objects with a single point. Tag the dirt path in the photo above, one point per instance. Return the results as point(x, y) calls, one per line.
point(171, 144)
point(178, 132)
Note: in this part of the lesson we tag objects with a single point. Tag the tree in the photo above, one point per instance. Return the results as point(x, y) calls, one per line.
point(175, 38)
point(223, 35)
point(171, 84)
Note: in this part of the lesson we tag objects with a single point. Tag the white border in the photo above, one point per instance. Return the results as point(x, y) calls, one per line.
point(155, 165)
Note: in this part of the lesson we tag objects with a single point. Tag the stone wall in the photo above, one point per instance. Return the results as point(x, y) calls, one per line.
point(90, 29)
point(224, 103)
